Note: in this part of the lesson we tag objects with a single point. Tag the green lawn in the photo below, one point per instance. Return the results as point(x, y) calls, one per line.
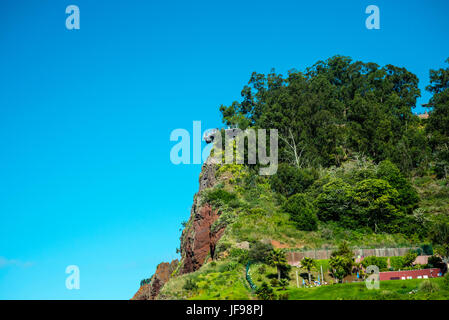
point(389, 290)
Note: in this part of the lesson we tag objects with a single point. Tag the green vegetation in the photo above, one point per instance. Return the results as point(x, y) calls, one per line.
point(309, 264)
point(277, 259)
point(380, 262)
point(222, 280)
point(389, 290)
point(301, 212)
point(265, 292)
point(357, 169)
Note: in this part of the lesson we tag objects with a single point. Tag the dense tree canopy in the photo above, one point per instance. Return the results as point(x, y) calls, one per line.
point(350, 144)
point(335, 108)
point(438, 126)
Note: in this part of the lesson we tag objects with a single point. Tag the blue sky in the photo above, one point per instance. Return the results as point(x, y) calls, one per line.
point(86, 116)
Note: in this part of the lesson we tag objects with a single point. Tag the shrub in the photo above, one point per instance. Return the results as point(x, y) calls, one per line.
point(219, 195)
point(380, 262)
point(409, 258)
point(340, 267)
point(225, 219)
point(343, 250)
point(283, 296)
point(408, 197)
point(335, 200)
point(222, 246)
point(274, 282)
point(436, 262)
point(259, 252)
point(290, 180)
point(265, 292)
point(232, 265)
point(190, 285)
point(446, 281)
point(283, 283)
point(376, 202)
point(428, 287)
point(301, 212)
point(427, 249)
point(240, 255)
point(397, 263)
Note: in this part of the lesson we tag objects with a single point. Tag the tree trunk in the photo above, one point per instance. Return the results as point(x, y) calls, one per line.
point(310, 279)
point(279, 274)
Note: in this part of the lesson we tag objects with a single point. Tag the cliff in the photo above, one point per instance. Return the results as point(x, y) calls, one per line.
point(198, 241)
point(160, 277)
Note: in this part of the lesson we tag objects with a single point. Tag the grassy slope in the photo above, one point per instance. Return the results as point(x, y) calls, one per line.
point(256, 215)
point(434, 195)
point(216, 281)
point(389, 290)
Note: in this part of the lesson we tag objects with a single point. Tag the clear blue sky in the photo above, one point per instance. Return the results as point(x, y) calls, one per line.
point(86, 115)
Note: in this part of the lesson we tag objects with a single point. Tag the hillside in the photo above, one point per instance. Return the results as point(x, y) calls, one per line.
point(230, 214)
point(357, 171)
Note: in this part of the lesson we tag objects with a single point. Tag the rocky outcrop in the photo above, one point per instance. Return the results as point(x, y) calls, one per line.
point(198, 239)
point(160, 277)
point(207, 175)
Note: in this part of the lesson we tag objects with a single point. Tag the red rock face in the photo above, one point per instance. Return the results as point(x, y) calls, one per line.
point(199, 241)
point(160, 277)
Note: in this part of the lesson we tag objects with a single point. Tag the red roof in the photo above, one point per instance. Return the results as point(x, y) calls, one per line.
point(410, 274)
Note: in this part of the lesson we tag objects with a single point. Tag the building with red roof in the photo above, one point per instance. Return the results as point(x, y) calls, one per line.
point(410, 274)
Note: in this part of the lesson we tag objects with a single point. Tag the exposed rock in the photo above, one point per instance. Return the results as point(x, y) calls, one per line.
point(207, 175)
point(242, 245)
point(198, 240)
point(160, 277)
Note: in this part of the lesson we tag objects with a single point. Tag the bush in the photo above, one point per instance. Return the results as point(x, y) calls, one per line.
point(274, 282)
point(335, 200)
point(283, 283)
point(259, 252)
point(427, 249)
point(265, 292)
point(283, 296)
point(428, 287)
point(409, 258)
point(446, 281)
point(239, 254)
point(301, 212)
point(290, 180)
point(408, 197)
point(219, 195)
point(340, 266)
point(380, 262)
point(232, 265)
point(397, 263)
point(436, 262)
point(376, 202)
point(190, 285)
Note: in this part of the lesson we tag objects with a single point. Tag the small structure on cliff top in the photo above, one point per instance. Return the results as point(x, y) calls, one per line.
point(209, 135)
point(231, 132)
